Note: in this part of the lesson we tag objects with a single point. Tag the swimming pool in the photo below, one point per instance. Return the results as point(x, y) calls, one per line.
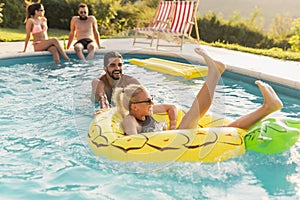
point(45, 113)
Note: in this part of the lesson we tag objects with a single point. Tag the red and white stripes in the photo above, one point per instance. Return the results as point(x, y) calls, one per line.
point(183, 14)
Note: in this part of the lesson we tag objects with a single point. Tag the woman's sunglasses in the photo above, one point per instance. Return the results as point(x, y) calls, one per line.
point(82, 12)
point(148, 101)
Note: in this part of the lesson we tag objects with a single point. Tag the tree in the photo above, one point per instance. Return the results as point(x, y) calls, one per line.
point(295, 39)
point(1, 15)
point(13, 13)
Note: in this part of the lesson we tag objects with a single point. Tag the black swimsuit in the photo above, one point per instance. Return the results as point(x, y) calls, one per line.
point(84, 42)
point(150, 125)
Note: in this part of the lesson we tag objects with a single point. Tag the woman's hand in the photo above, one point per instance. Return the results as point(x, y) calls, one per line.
point(173, 124)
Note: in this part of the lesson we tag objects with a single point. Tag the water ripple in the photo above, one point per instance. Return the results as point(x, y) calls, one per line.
point(45, 113)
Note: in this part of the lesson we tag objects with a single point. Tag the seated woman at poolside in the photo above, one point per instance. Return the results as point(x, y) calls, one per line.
point(136, 105)
point(36, 24)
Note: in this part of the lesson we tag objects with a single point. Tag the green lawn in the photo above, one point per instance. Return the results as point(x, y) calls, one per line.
point(11, 35)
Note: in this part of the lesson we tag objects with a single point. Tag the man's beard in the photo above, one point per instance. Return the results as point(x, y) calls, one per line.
point(83, 17)
point(111, 74)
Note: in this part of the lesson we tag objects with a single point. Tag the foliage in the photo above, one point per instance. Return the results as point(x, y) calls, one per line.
point(1, 10)
point(104, 13)
point(295, 39)
point(13, 13)
point(58, 13)
point(236, 31)
point(119, 18)
point(280, 27)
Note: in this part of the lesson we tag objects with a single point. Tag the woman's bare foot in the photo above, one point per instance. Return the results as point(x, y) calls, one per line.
point(272, 102)
point(66, 57)
point(221, 67)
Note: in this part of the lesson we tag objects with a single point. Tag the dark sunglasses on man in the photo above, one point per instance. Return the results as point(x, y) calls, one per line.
point(115, 65)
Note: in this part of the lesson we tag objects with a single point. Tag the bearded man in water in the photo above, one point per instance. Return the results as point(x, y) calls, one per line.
point(103, 87)
point(85, 28)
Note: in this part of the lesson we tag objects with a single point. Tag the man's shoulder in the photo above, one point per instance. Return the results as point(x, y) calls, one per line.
point(75, 18)
point(129, 79)
point(92, 17)
point(127, 76)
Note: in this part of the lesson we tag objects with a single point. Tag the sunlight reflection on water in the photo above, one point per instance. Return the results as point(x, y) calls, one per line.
point(46, 111)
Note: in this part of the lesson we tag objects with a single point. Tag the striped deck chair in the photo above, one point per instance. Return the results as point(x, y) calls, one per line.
point(183, 21)
point(160, 22)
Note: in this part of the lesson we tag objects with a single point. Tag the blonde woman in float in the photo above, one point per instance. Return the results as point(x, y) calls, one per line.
point(136, 105)
point(36, 24)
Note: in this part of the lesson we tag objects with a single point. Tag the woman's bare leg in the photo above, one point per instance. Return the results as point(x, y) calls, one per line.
point(45, 44)
point(59, 48)
point(205, 96)
point(55, 54)
point(271, 104)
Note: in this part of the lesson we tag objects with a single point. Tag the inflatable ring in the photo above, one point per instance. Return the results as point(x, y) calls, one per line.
point(29, 2)
point(206, 144)
point(210, 142)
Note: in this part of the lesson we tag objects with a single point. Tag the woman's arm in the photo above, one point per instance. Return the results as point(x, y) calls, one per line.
point(28, 33)
point(170, 109)
point(130, 125)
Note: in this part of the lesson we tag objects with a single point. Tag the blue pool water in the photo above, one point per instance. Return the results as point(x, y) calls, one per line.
point(45, 113)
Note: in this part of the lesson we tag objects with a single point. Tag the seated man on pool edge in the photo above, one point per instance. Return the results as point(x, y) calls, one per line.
point(103, 87)
point(85, 28)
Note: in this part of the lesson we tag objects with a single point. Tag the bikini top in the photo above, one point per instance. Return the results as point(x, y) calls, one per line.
point(150, 125)
point(37, 28)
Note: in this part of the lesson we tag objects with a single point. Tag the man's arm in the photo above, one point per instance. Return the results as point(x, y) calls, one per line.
point(95, 31)
point(72, 32)
point(98, 93)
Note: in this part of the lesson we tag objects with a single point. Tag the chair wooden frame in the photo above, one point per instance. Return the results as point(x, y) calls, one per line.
point(182, 22)
point(160, 22)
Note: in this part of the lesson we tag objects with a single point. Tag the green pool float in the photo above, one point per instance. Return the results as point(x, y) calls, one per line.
point(273, 135)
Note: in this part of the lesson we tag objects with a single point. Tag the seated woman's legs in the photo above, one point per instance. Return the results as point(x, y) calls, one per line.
point(55, 54)
point(45, 44)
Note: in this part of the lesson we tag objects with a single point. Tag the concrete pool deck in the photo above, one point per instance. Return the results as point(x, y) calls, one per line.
point(282, 72)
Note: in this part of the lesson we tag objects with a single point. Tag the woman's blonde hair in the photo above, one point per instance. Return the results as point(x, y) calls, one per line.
point(124, 96)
